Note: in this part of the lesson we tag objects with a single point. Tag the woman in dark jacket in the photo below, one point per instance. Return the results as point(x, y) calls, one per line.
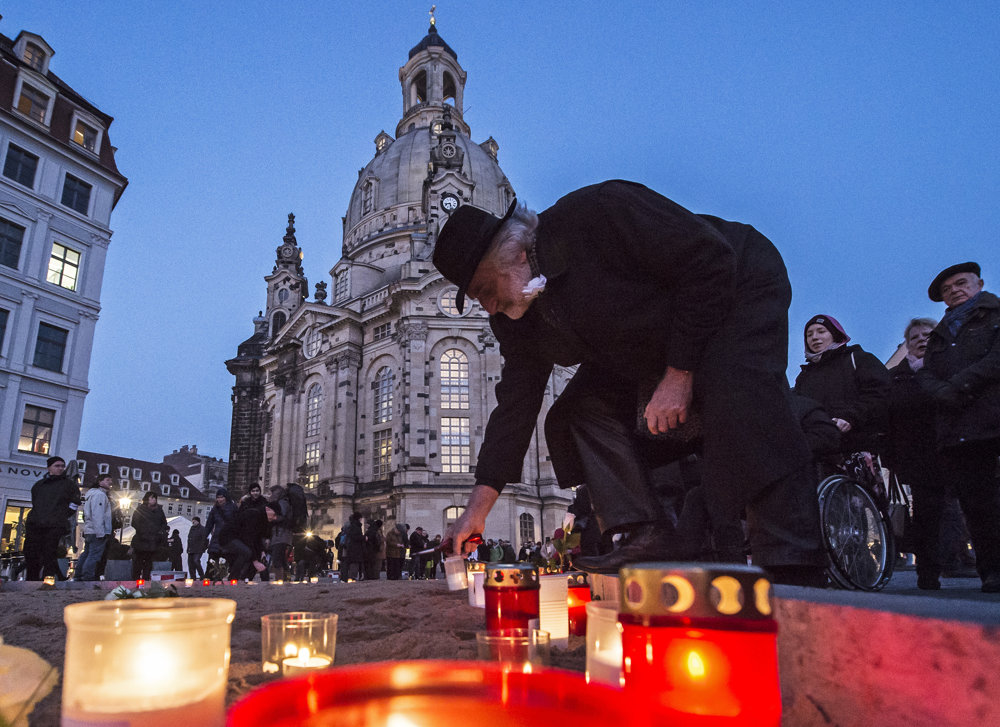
point(850, 383)
point(176, 550)
point(150, 533)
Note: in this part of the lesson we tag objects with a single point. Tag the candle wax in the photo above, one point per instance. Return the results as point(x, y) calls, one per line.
point(510, 608)
point(209, 711)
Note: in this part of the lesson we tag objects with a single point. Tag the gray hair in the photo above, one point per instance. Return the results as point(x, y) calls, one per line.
point(914, 322)
point(516, 234)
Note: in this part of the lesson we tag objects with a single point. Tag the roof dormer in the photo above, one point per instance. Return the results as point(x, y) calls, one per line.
point(33, 51)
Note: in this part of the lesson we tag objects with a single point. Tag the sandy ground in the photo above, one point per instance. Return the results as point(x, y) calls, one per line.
point(379, 621)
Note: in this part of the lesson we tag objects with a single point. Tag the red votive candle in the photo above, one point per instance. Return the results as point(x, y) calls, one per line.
point(511, 594)
point(577, 598)
point(701, 640)
point(437, 693)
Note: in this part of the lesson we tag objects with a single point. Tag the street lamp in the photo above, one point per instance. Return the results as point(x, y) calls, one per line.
point(124, 503)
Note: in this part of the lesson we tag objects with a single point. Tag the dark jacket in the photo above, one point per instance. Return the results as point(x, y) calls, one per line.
point(395, 542)
point(853, 385)
point(197, 539)
point(354, 546)
point(418, 542)
point(150, 528)
point(821, 433)
point(637, 283)
point(962, 374)
point(249, 526)
point(910, 447)
point(54, 500)
point(219, 516)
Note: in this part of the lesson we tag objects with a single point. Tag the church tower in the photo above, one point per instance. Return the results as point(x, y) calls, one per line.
point(377, 401)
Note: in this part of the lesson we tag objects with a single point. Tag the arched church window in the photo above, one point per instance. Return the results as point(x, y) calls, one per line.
point(383, 385)
point(314, 403)
point(367, 197)
point(420, 87)
point(526, 528)
point(277, 323)
point(449, 89)
point(341, 285)
point(454, 380)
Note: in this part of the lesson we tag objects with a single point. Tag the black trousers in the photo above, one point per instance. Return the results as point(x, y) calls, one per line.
point(970, 471)
point(41, 552)
point(195, 569)
point(592, 439)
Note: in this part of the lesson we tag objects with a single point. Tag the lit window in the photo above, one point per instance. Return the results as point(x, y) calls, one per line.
point(314, 402)
point(383, 385)
point(526, 527)
point(34, 56)
point(381, 454)
point(33, 103)
point(20, 165)
point(448, 305)
point(312, 464)
point(455, 446)
point(36, 430)
point(11, 237)
point(50, 347)
point(64, 266)
point(76, 194)
point(85, 136)
point(451, 514)
point(454, 380)
point(341, 285)
point(381, 332)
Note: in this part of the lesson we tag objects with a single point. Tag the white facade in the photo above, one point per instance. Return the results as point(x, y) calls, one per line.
point(58, 187)
point(378, 399)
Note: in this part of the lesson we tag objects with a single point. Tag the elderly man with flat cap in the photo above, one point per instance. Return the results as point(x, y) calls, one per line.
point(679, 325)
point(962, 372)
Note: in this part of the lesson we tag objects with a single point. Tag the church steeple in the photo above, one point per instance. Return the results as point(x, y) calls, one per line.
point(431, 80)
point(287, 286)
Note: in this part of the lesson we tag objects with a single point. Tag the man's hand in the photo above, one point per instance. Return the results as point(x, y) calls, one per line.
point(842, 424)
point(472, 520)
point(669, 406)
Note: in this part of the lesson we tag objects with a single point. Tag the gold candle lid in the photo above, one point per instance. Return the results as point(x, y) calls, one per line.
point(577, 580)
point(476, 566)
point(523, 576)
point(695, 590)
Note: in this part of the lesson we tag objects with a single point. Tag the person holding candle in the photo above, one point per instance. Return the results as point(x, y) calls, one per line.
point(150, 533)
point(668, 314)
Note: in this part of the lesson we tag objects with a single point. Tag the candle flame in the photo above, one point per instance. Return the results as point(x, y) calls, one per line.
point(695, 665)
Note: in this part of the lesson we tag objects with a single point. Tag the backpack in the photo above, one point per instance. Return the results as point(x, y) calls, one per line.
point(298, 512)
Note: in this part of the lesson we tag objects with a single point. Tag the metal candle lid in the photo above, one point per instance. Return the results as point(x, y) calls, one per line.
point(577, 580)
point(695, 590)
point(475, 566)
point(517, 576)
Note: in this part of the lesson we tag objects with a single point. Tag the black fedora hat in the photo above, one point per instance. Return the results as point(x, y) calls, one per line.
point(934, 291)
point(463, 242)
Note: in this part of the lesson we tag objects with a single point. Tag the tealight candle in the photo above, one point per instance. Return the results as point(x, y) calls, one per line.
point(49, 580)
point(477, 573)
point(297, 642)
point(188, 582)
point(149, 662)
point(314, 579)
point(455, 572)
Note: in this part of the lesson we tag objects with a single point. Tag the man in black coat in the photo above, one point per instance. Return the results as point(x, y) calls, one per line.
point(54, 500)
point(962, 373)
point(197, 543)
point(242, 540)
point(652, 299)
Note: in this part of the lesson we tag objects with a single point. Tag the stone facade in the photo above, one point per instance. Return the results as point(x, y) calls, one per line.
point(377, 401)
point(58, 186)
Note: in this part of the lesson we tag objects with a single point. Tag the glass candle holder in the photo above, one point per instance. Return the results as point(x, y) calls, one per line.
point(519, 649)
point(155, 663)
point(577, 598)
point(455, 572)
point(700, 639)
point(435, 693)
point(553, 607)
point(297, 642)
point(477, 573)
point(604, 643)
point(511, 594)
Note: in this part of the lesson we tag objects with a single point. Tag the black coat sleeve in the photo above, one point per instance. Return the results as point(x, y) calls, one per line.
point(873, 381)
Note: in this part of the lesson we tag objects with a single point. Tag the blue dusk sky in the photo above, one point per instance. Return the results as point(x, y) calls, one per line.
point(862, 138)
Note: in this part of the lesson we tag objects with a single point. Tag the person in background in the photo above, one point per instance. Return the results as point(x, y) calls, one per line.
point(242, 541)
point(222, 512)
point(197, 543)
point(150, 533)
point(375, 552)
point(96, 528)
point(850, 383)
point(252, 499)
point(395, 549)
point(281, 535)
point(418, 542)
point(176, 549)
point(54, 500)
point(961, 372)
point(354, 548)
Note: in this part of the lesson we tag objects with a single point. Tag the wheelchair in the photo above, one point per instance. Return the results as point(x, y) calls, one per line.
point(856, 526)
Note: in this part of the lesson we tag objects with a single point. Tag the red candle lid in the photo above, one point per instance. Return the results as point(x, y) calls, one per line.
point(435, 693)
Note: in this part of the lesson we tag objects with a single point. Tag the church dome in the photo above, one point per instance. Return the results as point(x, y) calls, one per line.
point(432, 39)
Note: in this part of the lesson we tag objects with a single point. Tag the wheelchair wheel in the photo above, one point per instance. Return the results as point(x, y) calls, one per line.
point(857, 535)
